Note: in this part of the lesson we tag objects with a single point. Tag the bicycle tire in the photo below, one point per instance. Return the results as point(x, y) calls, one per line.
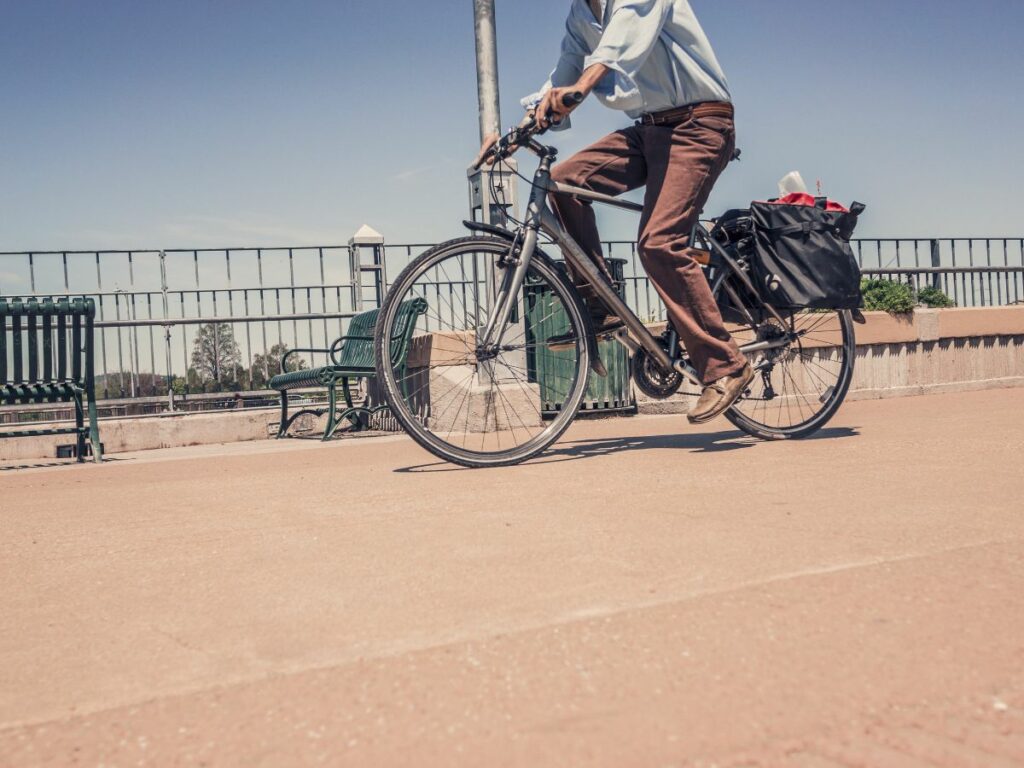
point(411, 422)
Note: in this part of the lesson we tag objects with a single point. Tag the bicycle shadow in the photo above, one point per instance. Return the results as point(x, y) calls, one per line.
point(714, 442)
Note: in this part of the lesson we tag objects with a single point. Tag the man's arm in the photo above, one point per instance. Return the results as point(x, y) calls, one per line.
point(551, 109)
point(566, 72)
point(628, 39)
point(630, 36)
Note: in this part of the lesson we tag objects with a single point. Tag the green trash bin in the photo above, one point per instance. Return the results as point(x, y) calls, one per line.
point(549, 369)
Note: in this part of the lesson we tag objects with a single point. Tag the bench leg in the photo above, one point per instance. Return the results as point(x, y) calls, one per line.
point(332, 415)
point(283, 428)
point(359, 416)
point(94, 432)
point(352, 413)
point(79, 430)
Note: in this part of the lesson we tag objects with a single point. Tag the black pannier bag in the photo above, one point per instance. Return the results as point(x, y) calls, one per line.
point(733, 229)
point(802, 256)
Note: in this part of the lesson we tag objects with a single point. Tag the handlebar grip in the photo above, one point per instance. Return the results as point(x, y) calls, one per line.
point(568, 100)
point(572, 99)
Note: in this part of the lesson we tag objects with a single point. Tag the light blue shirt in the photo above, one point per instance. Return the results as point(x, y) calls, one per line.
point(657, 52)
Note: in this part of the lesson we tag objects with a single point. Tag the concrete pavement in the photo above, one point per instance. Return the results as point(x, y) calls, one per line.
point(646, 593)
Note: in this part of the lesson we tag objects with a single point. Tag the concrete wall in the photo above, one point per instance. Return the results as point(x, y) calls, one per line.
point(929, 351)
point(142, 433)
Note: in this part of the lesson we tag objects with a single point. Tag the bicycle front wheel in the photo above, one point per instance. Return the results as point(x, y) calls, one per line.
point(465, 404)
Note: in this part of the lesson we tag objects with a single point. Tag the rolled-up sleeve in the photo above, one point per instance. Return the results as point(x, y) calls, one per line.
point(630, 35)
point(568, 69)
point(566, 72)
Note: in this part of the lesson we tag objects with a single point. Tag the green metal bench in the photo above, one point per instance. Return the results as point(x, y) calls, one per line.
point(351, 357)
point(59, 335)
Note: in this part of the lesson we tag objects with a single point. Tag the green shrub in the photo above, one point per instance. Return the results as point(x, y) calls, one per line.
point(934, 298)
point(887, 296)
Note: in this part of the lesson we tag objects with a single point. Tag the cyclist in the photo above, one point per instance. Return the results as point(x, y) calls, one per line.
point(652, 60)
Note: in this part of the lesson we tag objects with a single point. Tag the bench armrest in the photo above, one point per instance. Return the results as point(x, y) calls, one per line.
point(291, 352)
point(340, 342)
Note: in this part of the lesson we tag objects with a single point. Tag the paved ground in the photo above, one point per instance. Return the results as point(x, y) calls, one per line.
point(646, 594)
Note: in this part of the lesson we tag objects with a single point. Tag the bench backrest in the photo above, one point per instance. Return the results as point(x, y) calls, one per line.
point(47, 341)
point(357, 350)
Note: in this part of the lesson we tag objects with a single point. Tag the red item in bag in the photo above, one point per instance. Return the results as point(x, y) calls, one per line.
point(802, 198)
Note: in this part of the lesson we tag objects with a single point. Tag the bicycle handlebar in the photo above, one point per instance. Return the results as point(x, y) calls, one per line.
point(522, 133)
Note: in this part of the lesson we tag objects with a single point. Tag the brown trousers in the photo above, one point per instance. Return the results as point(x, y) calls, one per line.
point(679, 164)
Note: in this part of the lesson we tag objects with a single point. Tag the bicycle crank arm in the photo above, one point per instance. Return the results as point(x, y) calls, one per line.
point(687, 371)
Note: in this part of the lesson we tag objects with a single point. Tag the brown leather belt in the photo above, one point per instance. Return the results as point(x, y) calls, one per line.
point(682, 114)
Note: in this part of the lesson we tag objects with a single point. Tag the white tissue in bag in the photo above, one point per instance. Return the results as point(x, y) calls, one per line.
point(792, 182)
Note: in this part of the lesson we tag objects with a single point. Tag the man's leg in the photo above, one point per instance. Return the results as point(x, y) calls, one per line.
point(683, 163)
point(611, 166)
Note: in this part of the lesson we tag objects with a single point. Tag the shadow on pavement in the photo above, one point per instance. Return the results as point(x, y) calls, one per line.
point(47, 464)
point(732, 440)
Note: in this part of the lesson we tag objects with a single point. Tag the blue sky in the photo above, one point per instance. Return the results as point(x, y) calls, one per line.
point(249, 122)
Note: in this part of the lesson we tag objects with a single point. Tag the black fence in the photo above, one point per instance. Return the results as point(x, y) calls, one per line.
point(157, 308)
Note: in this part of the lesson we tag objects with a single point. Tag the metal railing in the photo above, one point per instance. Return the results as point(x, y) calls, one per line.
point(153, 305)
point(974, 272)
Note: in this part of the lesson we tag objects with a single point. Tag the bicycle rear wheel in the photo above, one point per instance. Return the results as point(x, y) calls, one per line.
point(797, 387)
point(471, 406)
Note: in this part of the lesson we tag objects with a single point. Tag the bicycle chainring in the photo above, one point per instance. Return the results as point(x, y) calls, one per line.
point(653, 381)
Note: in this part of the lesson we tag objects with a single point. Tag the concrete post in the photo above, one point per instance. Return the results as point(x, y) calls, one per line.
point(493, 193)
point(366, 254)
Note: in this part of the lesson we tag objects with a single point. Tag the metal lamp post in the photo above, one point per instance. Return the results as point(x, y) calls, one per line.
point(492, 191)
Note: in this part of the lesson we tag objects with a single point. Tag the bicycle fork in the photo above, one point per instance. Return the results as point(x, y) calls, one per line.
point(517, 264)
point(513, 275)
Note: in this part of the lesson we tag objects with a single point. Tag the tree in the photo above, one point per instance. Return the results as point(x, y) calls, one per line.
point(215, 354)
point(122, 384)
point(266, 366)
point(193, 380)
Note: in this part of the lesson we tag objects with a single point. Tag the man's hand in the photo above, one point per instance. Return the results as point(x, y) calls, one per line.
point(551, 110)
point(489, 141)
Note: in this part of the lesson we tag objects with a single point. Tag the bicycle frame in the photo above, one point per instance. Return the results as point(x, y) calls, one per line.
point(635, 335)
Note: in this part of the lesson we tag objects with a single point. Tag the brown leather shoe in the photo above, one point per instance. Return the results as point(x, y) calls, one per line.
point(719, 395)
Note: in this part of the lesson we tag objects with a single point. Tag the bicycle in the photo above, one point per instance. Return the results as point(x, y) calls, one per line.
point(495, 297)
